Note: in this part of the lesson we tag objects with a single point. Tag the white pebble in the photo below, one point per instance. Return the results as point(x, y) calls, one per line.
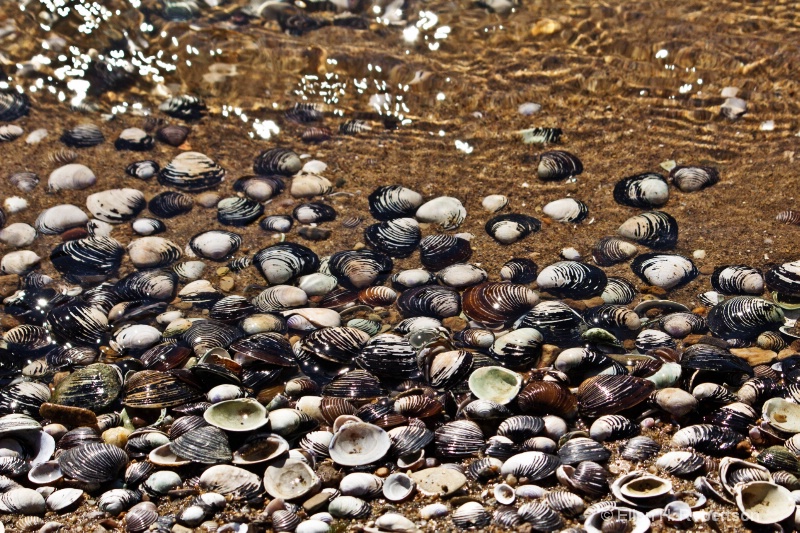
point(15, 204)
point(699, 254)
point(570, 254)
point(529, 108)
point(767, 125)
point(36, 136)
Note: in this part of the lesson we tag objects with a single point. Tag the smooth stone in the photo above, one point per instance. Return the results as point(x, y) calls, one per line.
point(439, 481)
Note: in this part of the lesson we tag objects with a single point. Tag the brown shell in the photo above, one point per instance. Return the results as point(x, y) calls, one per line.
point(790, 216)
point(418, 406)
point(332, 408)
point(377, 296)
point(496, 304)
point(607, 395)
point(150, 388)
point(173, 135)
point(547, 398)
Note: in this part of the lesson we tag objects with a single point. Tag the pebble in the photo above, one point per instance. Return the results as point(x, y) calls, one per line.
point(316, 503)
point(755, 356)
point(207, 199)
point(529, 108)
point(439, 481)
point(226, 283)
point(699, 254)
point(116, 436)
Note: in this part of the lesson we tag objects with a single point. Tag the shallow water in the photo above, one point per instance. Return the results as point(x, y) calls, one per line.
point(631, 85)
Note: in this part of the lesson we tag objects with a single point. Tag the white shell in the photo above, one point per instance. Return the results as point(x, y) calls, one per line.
point(279, 298)
point(59, 218)
point(446, 211)
point(495, 383)
point(670, 270)
point(290, 479)
point(317, 284)
point(306, 185)
point(19, 262)
point(309, 318)
point(398, 486)
point(137, 337)
point(147, 251)
point(764, 502)
point(462, 275)
point(494, 202)
point(115, 205)
point(359, 444)
point(190, 270)
point(10, 132)
point(504, 494)
point(99, 228)
point(782, 414)
point(36, 136)
point(15, 204)
point(71, 177)
point(563, 210)
point(212, 244)
point(17, 235)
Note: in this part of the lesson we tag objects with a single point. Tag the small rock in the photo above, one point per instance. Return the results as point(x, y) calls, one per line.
point(177, 528)
point(454, 323)
point(67, 415)
point(317, 503)
point(786, 352)
point(706, 270)
point(116, 436)
point(549, 354)
point(226, 283)
point(382, 472)
point(395, 522)
point(529, 108)
point(439, 481)
point(545, 27)
point(207, 199)
point(314, 233)
point(699, 254)
point(755, 356)
point(434, 510)
point(652, 289)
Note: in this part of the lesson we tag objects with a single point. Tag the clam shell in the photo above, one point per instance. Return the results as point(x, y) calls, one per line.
point(512, 227)
point(170, 204)
point(566, 210)
point(572, 279)
point(667, 271)
point(282, 161)
point(691, 179)
point(445, 211)
point(656, 229)
point(601, 395)
point(393, 201)
point(71, 177)
point(191, 171)
point(646, 190)
point(496, 305)
point(93, 462)
point(290, 479)
point(558, 165)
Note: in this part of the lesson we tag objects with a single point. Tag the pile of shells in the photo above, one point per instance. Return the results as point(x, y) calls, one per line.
point(345, 380)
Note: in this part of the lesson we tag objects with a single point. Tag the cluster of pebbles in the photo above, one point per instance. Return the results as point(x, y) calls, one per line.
point(344, 386)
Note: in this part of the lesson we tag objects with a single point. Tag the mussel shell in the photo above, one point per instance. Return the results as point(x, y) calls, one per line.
point(79, 323)
point(714, 359)
point(13, 105)
point(216, 245)
point(646, 190)
point(619, 291)
point(82, 136)
point(519, 270)
point(393, 201)
point(336, 344)
point(143, 170)
point(439, 251)
point(566, 210)
point(459, 439)
point(744, 317)
point(314, 213)
point(606, 394)
point(612, 250)
point(182, 106)
point(354, 385)
point(708, 438)
point(784, 279)
point(283, 262)
point(429, 301)
point(154, 389)
point(206, 445)
point(581, 449)
point(656, 229)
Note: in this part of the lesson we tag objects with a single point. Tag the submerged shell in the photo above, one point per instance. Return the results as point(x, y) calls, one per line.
point(690, 179)
point(71, 177)
point(512, 227)
point(656, 229)
point(116, 205)
point(558, 165)
point(737, 279)
point(191, 171)
point(446, 211)
point(572, 279)
point(646, 190)
point(389, 202)
point(667, 271)
point(567, 210)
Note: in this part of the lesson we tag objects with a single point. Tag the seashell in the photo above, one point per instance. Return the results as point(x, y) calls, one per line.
point(116, 501)
point(240, 414)
point(656, 229)
point(439, 251)
point(236, 211)
point(231, 480)
point(260, 448)
point(60, 218)
point(184, 106)
point(398, 487)
point(148, 226)
point(618, 291)
point(495, 383)
point(268, 347)
point(713, 358)
point(22, 501)
point(784, 279)
point(62, 157)
point(440, 302)
point(617, 520)
point(136, 337)
point(206, 445)
point(547, 397)
point(143, 170)
point(390, 356)
point(494, 202)
point(558, 165)
point(667, 271)
point(276, 223)
point(192, 172)
point(282, 161)
point(349, 507)
point(680, 463)
point(170, 204)
point(532, 465)
point(558, 323)
point(20, 262)
point(354, 127)
point(789, 216)
point(259, 188)
point(680, 325)
point(778, 458)
point(115, 205)
point(579, 449)
point(612, 427)
point(24, 181)
point(640, 449)
point(9, 132)
point(153, 252)
point(303, 112)
point(173, 134)
point(396, 238)
point(393, 201)
point(283, 262)
point(606, 394)
point(572, 279)
point(540, 135)
point(517, 348)
point(355, 385)
point(82, 136)
point(744, 317)
point(445, 211)
point(361, 485)
point(13, 105)
point(545, 518)
point(471, 515)
point(71, 177)
point(314, 213)
point(737, 279)
point(458, 439)
point(519, 270)
point(306, 185)
point(511, 227)
point(782, 415)
point(567, 210)
point(707, 438)
point(93, 462)
point(360, 268)
point(335, 344)
point(36, 136)
point(653, 339)
point(691, 179)
point(764, 502)
point(291, 479)
point(646, 190)
point(770, 340)
point(613, 317)
point(565, 502)
point(612, 250)
point(216, 245)
point(134, 139)
point(497, 305)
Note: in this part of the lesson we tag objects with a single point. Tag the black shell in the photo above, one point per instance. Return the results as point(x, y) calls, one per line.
point(784, 279)
point(147, 284)
point(93, 462)
point(646, 190)
point(737, 279)
point(360, 268)
point(338, 344)
point(393, 201)
point(714, 359)
point(78, 323)
point(668, 271)
point(304, 112)
point(210, 334)
point(314, 213)
point(170, 204)
point(277, 223)
point(442, 250)
point(90, 259)
point(354, 385)
point(134, 139)
point(558, 165)
point(270, 347)
point(13, 105)
point(744, 317)
point(236, 211)
point(216, 245)
point(192, 172)
point(395, 238)
point(558, 323)
point(613, 317)
point(511, 227)
point(572, 279)
point(281, 161)
point(390, 356)
point(284, 262)
point(612, 250)
point(259, 188)
point(656, 229)
point(143, 170)
point(173, 134)
point(82, 136)
point(459, 439)
point(519, 270)
point(430, 301)
point(184, 107)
